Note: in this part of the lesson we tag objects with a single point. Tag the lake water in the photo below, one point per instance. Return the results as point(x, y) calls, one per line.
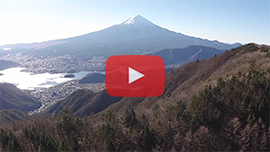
point(30, 81)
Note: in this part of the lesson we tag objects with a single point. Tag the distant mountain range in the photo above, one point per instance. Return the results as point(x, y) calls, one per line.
point(187, 54)
point(135, 35)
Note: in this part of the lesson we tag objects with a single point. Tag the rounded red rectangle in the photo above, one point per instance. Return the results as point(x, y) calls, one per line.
point(135, 75)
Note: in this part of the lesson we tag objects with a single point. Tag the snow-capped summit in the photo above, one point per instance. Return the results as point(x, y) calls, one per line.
point(137, 20)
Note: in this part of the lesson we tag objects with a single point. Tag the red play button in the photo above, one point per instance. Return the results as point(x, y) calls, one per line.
point(135, 75)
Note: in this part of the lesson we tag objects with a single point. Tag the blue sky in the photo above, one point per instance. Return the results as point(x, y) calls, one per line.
point(230, 21)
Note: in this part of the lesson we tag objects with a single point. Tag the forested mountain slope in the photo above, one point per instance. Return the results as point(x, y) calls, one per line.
point(14, 103)
point(83, 102)
point(217, 104)
point(13, 98)
point(191, 78)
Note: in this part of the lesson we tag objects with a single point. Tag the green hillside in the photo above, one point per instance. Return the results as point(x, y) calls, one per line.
point(11, 114)
point(13, 98)
point(83, 102)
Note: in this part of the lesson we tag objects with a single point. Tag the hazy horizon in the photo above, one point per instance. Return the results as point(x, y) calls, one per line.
point(29, 21)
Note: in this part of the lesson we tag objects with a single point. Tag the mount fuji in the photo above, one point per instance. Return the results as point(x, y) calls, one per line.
point(136, 35)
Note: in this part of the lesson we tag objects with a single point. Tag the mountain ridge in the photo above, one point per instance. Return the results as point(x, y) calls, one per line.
point(194, 76)
point(14, 103)
point(83, 103)
point(13, 98)
point(118, 39)
point(181, 56)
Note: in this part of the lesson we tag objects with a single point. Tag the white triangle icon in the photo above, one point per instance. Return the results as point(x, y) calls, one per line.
point(133, 75)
